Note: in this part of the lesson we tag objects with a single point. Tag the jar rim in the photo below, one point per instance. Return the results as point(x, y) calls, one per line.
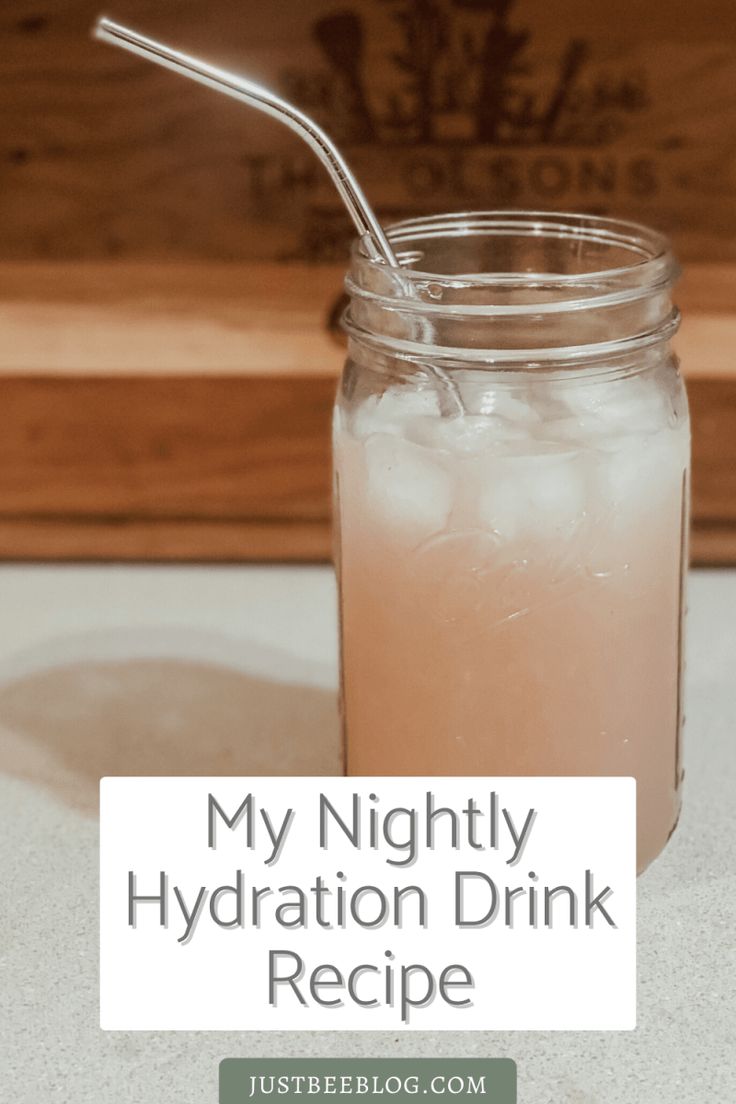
point(653, 264)
point(651, 245)
point(413, 307)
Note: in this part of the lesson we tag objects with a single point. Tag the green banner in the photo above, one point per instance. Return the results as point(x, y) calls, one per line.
point(397, 1080)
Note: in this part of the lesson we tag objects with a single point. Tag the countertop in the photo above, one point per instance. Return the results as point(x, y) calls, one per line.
point(127, 670)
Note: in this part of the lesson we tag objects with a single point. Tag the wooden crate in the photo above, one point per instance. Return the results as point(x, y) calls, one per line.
point(168, 259)
point(182, 412)
point(439, 104)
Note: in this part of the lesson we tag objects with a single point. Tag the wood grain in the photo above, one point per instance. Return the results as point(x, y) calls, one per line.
point(713, 546)
point(173, 448)
point(178, 412)
point(241, 319)
point(155, 319)
point(164, 540)
point(170, 396)
point(104, 156)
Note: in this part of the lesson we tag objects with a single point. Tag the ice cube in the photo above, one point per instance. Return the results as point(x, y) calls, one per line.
point(610, 406)
point(484, 394)
point(465, 433)
point(406, 488)
point(642, 469)
point(394, 411)
point(533, 496)
point(622, 472)
point(400, 405)
point(581, 429)
point(517, 409)
point(362, 420)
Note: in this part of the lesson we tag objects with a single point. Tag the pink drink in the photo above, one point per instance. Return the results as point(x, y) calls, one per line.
point(511, 583)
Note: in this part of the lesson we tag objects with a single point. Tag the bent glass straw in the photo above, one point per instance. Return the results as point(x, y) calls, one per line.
point(255, 95)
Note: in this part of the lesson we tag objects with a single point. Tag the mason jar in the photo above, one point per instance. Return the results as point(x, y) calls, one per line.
point(511, 453)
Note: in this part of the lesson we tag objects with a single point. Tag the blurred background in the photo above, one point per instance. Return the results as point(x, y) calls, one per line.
point(171, 263)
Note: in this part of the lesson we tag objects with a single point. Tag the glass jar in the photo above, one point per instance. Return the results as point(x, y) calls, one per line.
point(511, 449)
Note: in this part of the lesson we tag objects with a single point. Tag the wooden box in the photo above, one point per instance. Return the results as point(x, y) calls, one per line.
point(169, 261)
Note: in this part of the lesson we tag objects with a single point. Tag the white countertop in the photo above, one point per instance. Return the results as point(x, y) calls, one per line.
point(230, 670)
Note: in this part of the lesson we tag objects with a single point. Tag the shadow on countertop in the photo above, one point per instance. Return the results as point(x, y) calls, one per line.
point(67, 725)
